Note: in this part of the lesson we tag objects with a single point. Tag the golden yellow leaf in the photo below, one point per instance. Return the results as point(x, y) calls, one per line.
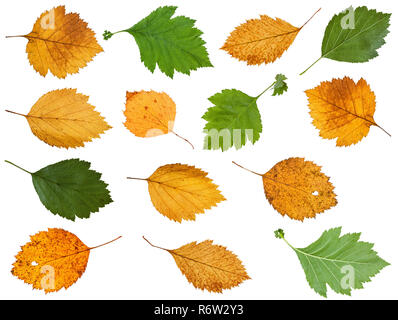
point(65, 119)
point(150, 114)
point(261, 40)
point(179, 191)
point(342, 109)
point(52, 260)
point(61, 43)
point(297, 188)
point(208, 266)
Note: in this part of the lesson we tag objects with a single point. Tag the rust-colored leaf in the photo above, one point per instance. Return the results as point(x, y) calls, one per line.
point(60, 43)
point(297, 188)
point(261, 40)
point(342, 109)
point(208, 266)
point(52, 260)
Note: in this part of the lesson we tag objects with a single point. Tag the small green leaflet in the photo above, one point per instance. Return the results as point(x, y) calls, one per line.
point(235, 119)
point(354, 35)
point(174, 44)
point(280, 85)
point(342, 262)
point(70, 189)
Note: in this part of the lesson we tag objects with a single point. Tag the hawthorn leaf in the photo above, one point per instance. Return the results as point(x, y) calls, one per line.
point(232, 120)
point(354, 35)
point(70, 189)
point(208, 266)
point(341, 262)
point(280, 85)
point(57, 250)
point(235, 119)
point(174, 44)
point(61, 43)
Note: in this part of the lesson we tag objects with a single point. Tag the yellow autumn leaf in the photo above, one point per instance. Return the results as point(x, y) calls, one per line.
point(60, 43)
point(52, 260)
point(343, 109)
point(179, 191)
point(261, 40)
point(65, 119)
point(150, 114)
point(208, 266)
point(297, 188)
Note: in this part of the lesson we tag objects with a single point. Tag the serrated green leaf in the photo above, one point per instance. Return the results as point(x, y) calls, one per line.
point(342, 262)
point(359, 44)
point(280, 85)
point(70, 189)
point(232, 120)
point(354, 35)
point(174, 44)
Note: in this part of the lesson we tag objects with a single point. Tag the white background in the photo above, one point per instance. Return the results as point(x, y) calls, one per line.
point(365, 175)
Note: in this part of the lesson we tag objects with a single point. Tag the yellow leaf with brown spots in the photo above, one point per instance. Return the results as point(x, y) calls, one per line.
point(65, 119)
point(209, 267)
point(150, 114)
point(297, 188)
point(180, 192)
point(261, 40)
point(52, 260)
point(343, 109)
point(60, 43)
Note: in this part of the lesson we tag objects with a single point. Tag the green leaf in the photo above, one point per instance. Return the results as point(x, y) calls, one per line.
point(280, 85)
point(355, 35)
point(174, 44)
point(70, 189)
point(232, 120)
point(342, 262)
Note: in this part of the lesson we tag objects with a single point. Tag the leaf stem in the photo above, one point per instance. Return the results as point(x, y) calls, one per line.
point(310, 18)
point(18, 167)
point(19, 114)
point(154, 245)
point(186, 140)
point(269, 87)
point(310, 66)
point(383, 130)
point(141, 179)
point(246, 169)
point(20, 36)
point(104, 244)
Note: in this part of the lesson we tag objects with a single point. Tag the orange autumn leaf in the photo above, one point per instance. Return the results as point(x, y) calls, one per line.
point(52, 260)
point(60, 43)
point(179, 191)
point(297, 188)
point(261, 40)
point(208, 267)
point(342, 109)
point(150, 114)
point(65, 119)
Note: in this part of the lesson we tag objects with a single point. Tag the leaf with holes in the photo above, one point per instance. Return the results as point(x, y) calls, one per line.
point(52, 260)
point(297, 188)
